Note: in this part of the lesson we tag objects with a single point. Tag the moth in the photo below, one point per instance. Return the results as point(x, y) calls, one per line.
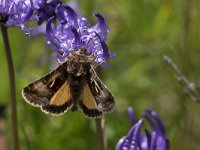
point(72, 85)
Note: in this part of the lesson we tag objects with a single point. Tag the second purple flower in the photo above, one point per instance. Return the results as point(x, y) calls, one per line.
point(151, 140)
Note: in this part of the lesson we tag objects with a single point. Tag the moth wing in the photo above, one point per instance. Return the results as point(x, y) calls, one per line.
point(60, 102)
point(51, 92)
point(96, 97)
point(88, 103)
point(104, 99)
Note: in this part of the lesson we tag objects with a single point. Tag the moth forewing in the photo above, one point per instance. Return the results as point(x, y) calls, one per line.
point(60, 102)
point(51, 92)
point(36, 93)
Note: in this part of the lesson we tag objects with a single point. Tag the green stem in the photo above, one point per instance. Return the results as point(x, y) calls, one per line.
point(100, 132)
point(11, 75)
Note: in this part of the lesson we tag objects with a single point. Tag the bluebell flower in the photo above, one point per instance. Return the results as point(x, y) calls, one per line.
point(16, 12)
point(73, 32)
point(135, 140)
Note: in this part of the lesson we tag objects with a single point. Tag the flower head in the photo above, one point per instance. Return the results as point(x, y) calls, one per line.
point(16, 12)
point(135, 140)
point(73, 32)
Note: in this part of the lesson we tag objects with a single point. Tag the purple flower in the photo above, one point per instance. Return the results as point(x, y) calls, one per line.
point(73, 32)
point(135, 140)
point(44, 9)
point(16, 12)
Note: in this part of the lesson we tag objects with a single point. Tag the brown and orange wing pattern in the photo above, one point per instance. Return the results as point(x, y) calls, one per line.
point(51, 92)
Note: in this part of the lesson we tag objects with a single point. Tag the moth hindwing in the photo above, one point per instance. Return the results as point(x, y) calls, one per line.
point(73, 84)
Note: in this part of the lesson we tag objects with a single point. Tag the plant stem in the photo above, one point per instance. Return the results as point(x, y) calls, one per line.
point(100, 132)
point(11, 75)
point(190, 88)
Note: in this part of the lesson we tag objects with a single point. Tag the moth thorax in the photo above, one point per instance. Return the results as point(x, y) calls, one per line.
point(75, 68)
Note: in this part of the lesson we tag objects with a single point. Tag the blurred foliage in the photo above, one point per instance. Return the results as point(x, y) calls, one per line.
point(141, 32)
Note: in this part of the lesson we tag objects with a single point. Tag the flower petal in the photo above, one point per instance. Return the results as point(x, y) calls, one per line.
point(153, 141)
point(77, 40)
point(51, 40)
point(119, 145)
point(131, 115)
point(71, 17)
point(101, 28)
point(26, 17)
point(155, 121)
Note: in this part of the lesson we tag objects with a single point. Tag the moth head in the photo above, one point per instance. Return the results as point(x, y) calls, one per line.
point(76, 68)
point(78, 61)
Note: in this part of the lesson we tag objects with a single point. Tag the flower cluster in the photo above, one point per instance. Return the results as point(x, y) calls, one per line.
point(135, 140)
point(66, 31)
point(73, 32)
point(16, 13)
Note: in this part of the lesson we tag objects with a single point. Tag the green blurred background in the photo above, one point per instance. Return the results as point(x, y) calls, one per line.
point(141, 32)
